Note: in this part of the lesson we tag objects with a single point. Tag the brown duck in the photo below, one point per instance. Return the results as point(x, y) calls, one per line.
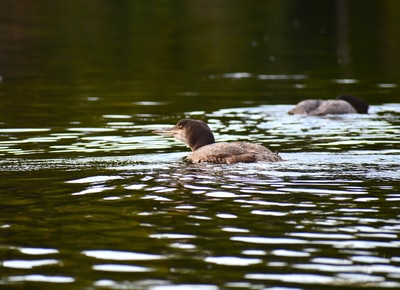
point(198, 136)
point(345, 104)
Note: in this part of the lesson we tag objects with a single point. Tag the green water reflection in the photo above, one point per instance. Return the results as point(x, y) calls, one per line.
point(56, 53)
point(83, 83)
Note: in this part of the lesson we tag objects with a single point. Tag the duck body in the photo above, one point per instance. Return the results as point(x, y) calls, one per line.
point(341, 105)
point(232, 152)
point(198, 136)
point(322, 107)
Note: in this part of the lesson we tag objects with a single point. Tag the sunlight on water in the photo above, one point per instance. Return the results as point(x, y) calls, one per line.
point(92, 199)
point(35, 251)
point(25, 264)
point(119, 255)
point(232, 261)
point(120, 268)
point(42, 278)
point(185, 287)
point(327, 215)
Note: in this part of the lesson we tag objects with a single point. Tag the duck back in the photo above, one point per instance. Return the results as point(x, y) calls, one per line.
point(233, 152)
point(323, 107)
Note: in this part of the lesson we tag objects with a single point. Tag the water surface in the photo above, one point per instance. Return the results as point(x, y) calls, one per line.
point(140, 216)
point(91, 199)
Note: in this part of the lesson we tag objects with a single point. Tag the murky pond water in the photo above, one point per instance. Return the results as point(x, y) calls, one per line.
point(91, 199)
point(328, 215)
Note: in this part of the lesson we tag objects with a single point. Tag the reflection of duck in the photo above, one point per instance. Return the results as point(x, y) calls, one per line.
point(198, 136)
point(345, 104)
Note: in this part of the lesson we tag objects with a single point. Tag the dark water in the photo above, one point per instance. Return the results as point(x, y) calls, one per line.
point(91, 199)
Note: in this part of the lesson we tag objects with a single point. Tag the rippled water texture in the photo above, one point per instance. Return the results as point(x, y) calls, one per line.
point(328, 215)
point(91, 199)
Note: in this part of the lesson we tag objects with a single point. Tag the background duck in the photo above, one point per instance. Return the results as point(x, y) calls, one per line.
point(198, 136)
point(345, 104)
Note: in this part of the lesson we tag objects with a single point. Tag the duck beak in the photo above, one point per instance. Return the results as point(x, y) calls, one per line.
point(172, 132)
point(166, 132)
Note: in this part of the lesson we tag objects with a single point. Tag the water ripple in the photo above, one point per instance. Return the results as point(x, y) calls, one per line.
point(121, 268)
point(120, 255)
point(42, 278)
point(28, 264)
point(266, 240)
point(327, 215)
point(232, 261)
